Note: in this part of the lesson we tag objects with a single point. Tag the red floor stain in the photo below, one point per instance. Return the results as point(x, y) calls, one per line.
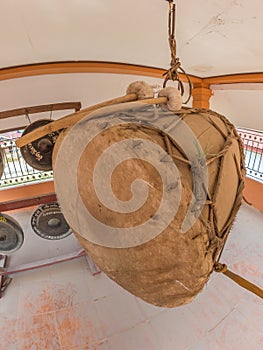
point(37, 304)
point(64, 296)
point(245, 268)
point(75, 326)
point(48, 321)
point(31, 332)
point(50, 298)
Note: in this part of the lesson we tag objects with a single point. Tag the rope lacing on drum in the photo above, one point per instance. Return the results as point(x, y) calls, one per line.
point(174, 72)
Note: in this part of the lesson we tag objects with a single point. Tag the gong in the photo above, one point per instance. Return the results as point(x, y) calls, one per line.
point(11, 234)
point(38, 154)
point(48, 222)
point(2, 162)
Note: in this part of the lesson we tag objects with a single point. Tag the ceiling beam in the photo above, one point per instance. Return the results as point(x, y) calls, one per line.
point(118, 68)
point(85, 67)
point(234, 79)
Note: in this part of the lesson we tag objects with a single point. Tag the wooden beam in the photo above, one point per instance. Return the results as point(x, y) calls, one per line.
point(70, 120)
point(117, 68)
point(27, 202)
point(234, 78)
point(40, 109)
point(85, 67)
point(26, 191)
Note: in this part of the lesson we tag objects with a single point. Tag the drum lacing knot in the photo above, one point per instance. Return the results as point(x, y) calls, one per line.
point(218, 267)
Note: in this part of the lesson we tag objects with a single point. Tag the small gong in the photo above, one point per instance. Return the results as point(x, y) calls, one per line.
point(38, 154)
point(2, 162)
point(48, 222)
point(11, 234)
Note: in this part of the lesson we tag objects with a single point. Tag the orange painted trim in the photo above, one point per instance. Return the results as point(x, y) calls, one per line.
point(27, 191)
point(201, 95)
point(117, 68)
point(84, 67)
point(235, 78)
point(253, 193)
point(28, 202)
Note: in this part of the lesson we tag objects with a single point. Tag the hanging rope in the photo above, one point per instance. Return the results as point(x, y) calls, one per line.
point(174, 72)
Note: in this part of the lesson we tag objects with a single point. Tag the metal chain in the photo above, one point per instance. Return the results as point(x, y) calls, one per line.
point(174, 72)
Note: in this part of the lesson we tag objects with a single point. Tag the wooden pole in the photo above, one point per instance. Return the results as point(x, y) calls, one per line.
point(71, 119)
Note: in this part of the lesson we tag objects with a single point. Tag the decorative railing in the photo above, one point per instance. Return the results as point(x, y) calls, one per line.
point(18, 172)
point(253, 149)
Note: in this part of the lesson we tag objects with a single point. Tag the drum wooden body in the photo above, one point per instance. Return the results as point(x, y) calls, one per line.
point(168, 268)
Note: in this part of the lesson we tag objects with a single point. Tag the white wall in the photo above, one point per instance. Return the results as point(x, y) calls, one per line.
point(36, 248)
point(89, 89)
point(241, 107)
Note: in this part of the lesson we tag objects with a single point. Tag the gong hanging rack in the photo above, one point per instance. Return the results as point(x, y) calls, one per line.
point(40, 109)
point(38, 154)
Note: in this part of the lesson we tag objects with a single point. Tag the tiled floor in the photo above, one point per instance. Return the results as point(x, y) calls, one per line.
point(64, 307)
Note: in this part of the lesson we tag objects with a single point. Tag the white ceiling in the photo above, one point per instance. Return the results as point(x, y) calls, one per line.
point(214, 37)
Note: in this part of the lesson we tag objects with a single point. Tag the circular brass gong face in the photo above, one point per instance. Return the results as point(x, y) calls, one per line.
point(38, 154)
point(11, 234)
point(48, 222)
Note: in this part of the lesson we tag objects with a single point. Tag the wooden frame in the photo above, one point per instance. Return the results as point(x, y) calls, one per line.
point(39, 109)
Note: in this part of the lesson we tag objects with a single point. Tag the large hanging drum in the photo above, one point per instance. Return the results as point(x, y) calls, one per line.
point(38, 154)
point(151, 195)
point(2, 162)
point(11, 235)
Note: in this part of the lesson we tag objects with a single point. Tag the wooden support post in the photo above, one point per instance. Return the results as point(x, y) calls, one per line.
point(201, 95)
